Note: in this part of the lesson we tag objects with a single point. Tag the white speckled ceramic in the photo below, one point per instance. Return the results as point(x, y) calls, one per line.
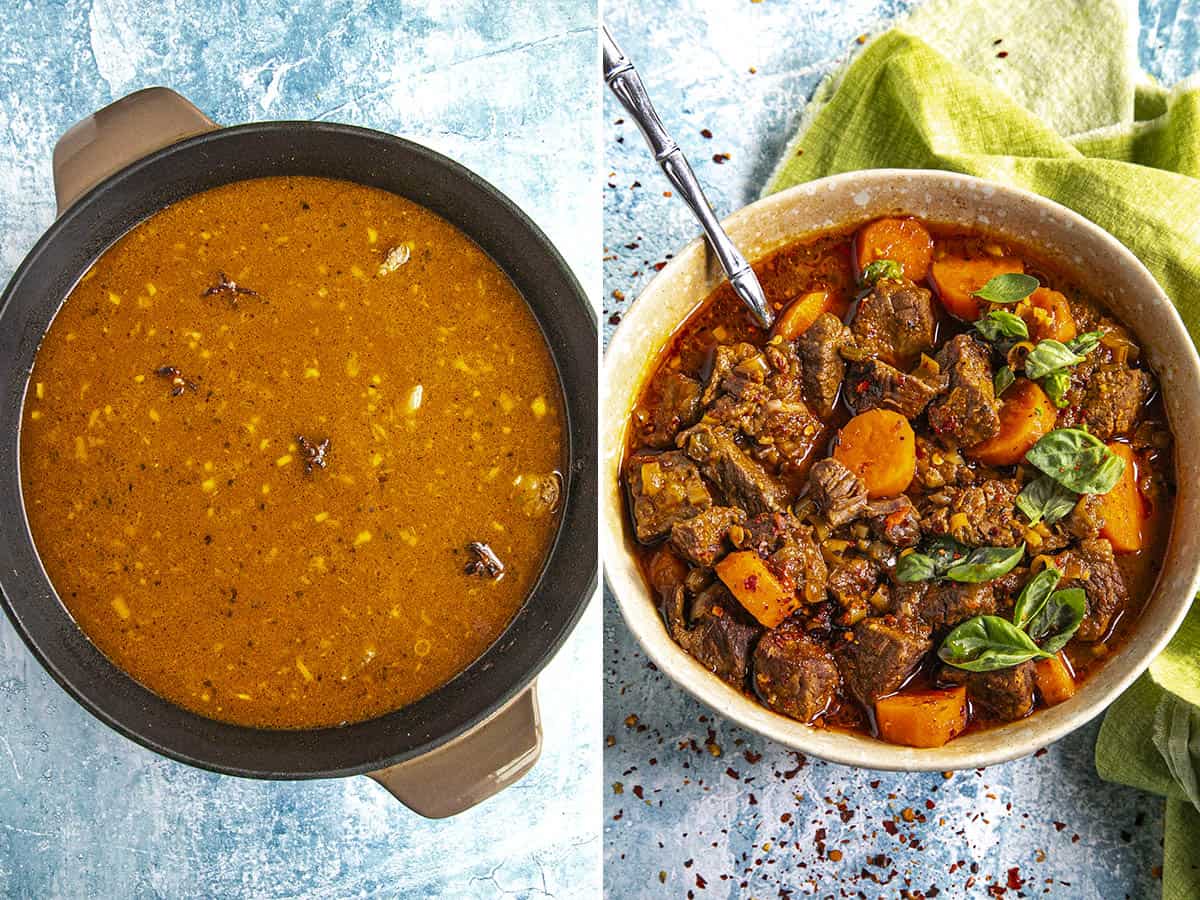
point(1115, 276)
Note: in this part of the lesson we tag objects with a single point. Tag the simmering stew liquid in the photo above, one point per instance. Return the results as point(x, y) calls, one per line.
point(276, 443)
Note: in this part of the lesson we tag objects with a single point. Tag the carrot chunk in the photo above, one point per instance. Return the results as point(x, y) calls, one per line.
point(922, 718)
point(879, 447)
point(1054, 679)
point(1026, 416)
point(757, 588)
point(956, 279)
point(798, 315)
point(905, 241)
point(1123, 508)
point(1047, 313)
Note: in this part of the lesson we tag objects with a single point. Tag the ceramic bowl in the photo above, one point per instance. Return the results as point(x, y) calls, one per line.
point(1084, 250)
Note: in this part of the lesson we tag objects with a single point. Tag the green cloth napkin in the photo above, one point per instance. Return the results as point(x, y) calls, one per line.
point(1067, 114)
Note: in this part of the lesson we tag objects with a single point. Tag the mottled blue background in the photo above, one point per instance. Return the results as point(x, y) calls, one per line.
point(511, 91)
point(693, 804)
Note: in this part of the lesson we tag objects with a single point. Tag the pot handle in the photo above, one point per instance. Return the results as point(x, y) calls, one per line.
point(124, 131)
point(474, 766)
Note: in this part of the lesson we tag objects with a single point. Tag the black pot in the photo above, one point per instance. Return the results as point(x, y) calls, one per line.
point(478, 732)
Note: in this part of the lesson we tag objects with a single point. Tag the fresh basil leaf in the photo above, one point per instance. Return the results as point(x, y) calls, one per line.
point(915, 567)
point(1045, 500)
point(1003, 381)
point(1007, 288)
point(1058, 620)
point(985, 563)
point(1085, 343)
point(1034, 595)
point(1050, 356)
point(945, 552)
point(1000, 324)
point(1056, 385)
point(1077, 460)
point(987, 643)
point(881, 268)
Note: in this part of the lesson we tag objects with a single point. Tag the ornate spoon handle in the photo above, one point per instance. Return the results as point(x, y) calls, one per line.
point(623, 78)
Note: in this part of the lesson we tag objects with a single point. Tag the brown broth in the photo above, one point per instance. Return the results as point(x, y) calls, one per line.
point(177, 521)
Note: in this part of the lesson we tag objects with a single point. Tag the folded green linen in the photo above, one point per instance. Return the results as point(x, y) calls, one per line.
point(1065, 113)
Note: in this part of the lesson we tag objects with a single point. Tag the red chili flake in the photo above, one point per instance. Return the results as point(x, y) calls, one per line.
point(700, 882)
point(659, 266)
point(638, 792)
point(751, 583)
point(705, 133)
point(1015, 881)
point(889, 826)
point(1003, 54)
point(614, 319)
point(720, 158)
point(751, 756)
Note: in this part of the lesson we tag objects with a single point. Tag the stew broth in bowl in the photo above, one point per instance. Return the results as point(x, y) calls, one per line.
point(290, 452)
point(935, 498)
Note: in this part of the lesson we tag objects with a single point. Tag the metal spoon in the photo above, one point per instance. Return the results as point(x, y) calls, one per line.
point(623, 78)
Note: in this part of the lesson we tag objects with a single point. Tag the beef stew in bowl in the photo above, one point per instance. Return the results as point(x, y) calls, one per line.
point(932, 500)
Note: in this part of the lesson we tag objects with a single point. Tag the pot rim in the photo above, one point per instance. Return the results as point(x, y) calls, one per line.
point(341, 750)
point(634, 597)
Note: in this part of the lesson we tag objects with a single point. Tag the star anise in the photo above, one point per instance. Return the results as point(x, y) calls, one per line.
point(229, 289)
point(312, 452)
point(486, 563)
point(179, 384)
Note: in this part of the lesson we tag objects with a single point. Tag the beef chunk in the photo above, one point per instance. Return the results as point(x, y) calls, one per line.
point(664, 488)
point(967, 412)
point(743, 481)
point(1091, 566)
point(701, 539)
point(982, 515)
point(720, 635)
point(947, 603)
point(798, 561)
point(873, 384)
point(853, 579)
point(676, 406)
point(793, 674)
point(785, 433)
point(734, 366)
point(823, 367)
point(895, 520)
point(1086, 519)
point(880, 657)
point(1005, 694)
point(895, 321)
point(1114, 398)
point(839, 493)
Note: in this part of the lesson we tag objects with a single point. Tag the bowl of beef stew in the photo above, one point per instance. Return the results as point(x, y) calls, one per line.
point(936, 517)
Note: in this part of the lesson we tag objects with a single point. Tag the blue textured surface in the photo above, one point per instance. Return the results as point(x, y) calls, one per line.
point(512, 94)
point(693, 804)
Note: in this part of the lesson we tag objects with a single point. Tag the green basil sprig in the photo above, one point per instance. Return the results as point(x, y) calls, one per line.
point(987, 643)
point(1034, 595)
point(1001, 325)
point(1056, 385)
point(1057, 621)
point(1054, 356)
point(1077, 460)
point(1045, 500)
point(1010, 287)
point(881, 268)
point(1003, 380)
point(947, 558)
point(1044, 620)
point(986, 563)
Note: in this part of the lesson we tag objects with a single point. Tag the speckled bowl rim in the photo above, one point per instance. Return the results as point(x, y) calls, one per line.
point(841, 201)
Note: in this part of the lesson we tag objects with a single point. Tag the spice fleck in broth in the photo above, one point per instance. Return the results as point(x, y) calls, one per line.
point(290, 452)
